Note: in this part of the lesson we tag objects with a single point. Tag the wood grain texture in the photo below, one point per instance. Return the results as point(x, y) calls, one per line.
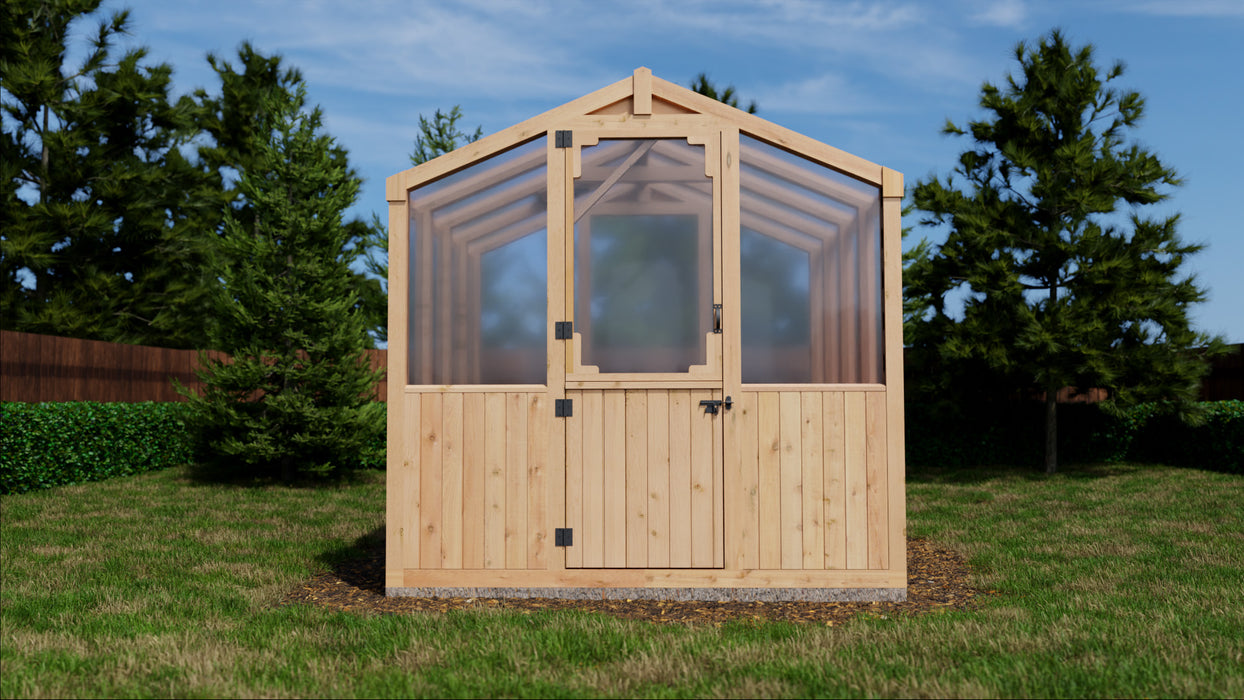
point(452, 417)
point(593, 479)
point(539, 536)
point(658, 479)
point(812, 428)
point(680, 478)
point(878, 493)
point(474, 476)
point(791, 453)
point(430, 482)
point(835, 511)
point(636, 491)
point(856, 483)
point(747, 493)
point(516, 481)
point(769, 438)
point(614, 494)
point(702, 429)
point(575, 481)
point(494, 481)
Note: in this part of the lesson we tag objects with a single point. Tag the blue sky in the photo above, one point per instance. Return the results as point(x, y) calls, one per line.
point(878, 79)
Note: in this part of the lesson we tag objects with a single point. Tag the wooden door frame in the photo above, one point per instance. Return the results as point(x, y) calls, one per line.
point(721, 144)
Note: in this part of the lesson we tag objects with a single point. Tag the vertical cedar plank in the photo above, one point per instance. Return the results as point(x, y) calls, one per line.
point(636, 479)
point(615, 478)
point(892, 288)
point(680, 479)
point(719, 506)
point(575, 480)
point(835, 482)
point(451, 481)
point(430, 482)
point(769, 454)
point(555, 430)
point(539, 411)
point(402, 490)
point(878, 511)
point(856, 480)
point(593, 480)
point(494, 481)
point(474, 476)
point(791, 516)
point(658, 478)
point(811, 440)
point(738, 486)
point(516, 481)
point(748, 492)
point(701, 480)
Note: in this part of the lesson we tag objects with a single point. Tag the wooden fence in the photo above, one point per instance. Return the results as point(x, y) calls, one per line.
point(47, 368)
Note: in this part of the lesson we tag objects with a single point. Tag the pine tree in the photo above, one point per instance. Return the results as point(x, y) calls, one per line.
point(704, 86)
point(1059, 288)
point(440, 135)
point(294, 398)
point(102, 214)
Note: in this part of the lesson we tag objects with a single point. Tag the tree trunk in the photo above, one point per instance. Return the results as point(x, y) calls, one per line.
point(1051, 430)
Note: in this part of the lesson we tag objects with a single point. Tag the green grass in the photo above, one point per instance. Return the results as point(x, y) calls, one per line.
point(1111, 581)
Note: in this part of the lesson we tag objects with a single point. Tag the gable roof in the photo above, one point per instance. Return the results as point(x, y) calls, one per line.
point(633, 98)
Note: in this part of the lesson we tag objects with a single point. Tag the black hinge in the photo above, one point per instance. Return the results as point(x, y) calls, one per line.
point(563, 330)
point(563, 408)
point(562, 138)
point(563, 537)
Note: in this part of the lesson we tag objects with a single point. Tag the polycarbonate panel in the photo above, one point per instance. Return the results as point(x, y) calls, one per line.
point(811, 271)
point(479, 274)
point(643, 255)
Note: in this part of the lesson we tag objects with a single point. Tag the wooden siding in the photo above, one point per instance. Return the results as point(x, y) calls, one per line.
point(812, 490)
point(469, 484)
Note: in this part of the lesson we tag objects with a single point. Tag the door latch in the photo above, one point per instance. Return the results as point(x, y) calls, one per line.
point(713, 406)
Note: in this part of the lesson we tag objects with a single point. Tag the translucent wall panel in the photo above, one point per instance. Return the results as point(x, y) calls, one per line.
point(478, 273)
point(643, 255)
point(811, 271)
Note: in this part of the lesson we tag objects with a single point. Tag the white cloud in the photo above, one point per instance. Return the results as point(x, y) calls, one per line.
point(827, 93)
point(1001, 13)
point(1186, 8)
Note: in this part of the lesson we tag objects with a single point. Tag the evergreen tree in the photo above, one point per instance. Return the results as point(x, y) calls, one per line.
point(1059, 288)
point(295, 396)
point(441, 135)
point(234, 121)
point(101, 212)
point(704, 86)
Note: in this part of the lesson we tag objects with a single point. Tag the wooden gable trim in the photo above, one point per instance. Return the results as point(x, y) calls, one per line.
point(768, 131)
point(642, 94)
point(397, 186)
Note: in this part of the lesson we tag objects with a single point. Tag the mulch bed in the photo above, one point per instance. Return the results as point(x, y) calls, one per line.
point(937, 579)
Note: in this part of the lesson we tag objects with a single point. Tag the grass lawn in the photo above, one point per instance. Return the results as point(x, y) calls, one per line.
point(1111, 581)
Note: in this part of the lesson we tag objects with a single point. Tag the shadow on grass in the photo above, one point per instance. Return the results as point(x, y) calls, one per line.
point(360, 564)
point(233, 476)
point(976, 475)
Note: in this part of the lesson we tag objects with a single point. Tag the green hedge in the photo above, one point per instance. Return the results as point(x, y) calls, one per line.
point(51, 444)
point(1014, 434)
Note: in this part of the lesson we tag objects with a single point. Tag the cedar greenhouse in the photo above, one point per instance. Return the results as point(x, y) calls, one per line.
point(646, 345)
